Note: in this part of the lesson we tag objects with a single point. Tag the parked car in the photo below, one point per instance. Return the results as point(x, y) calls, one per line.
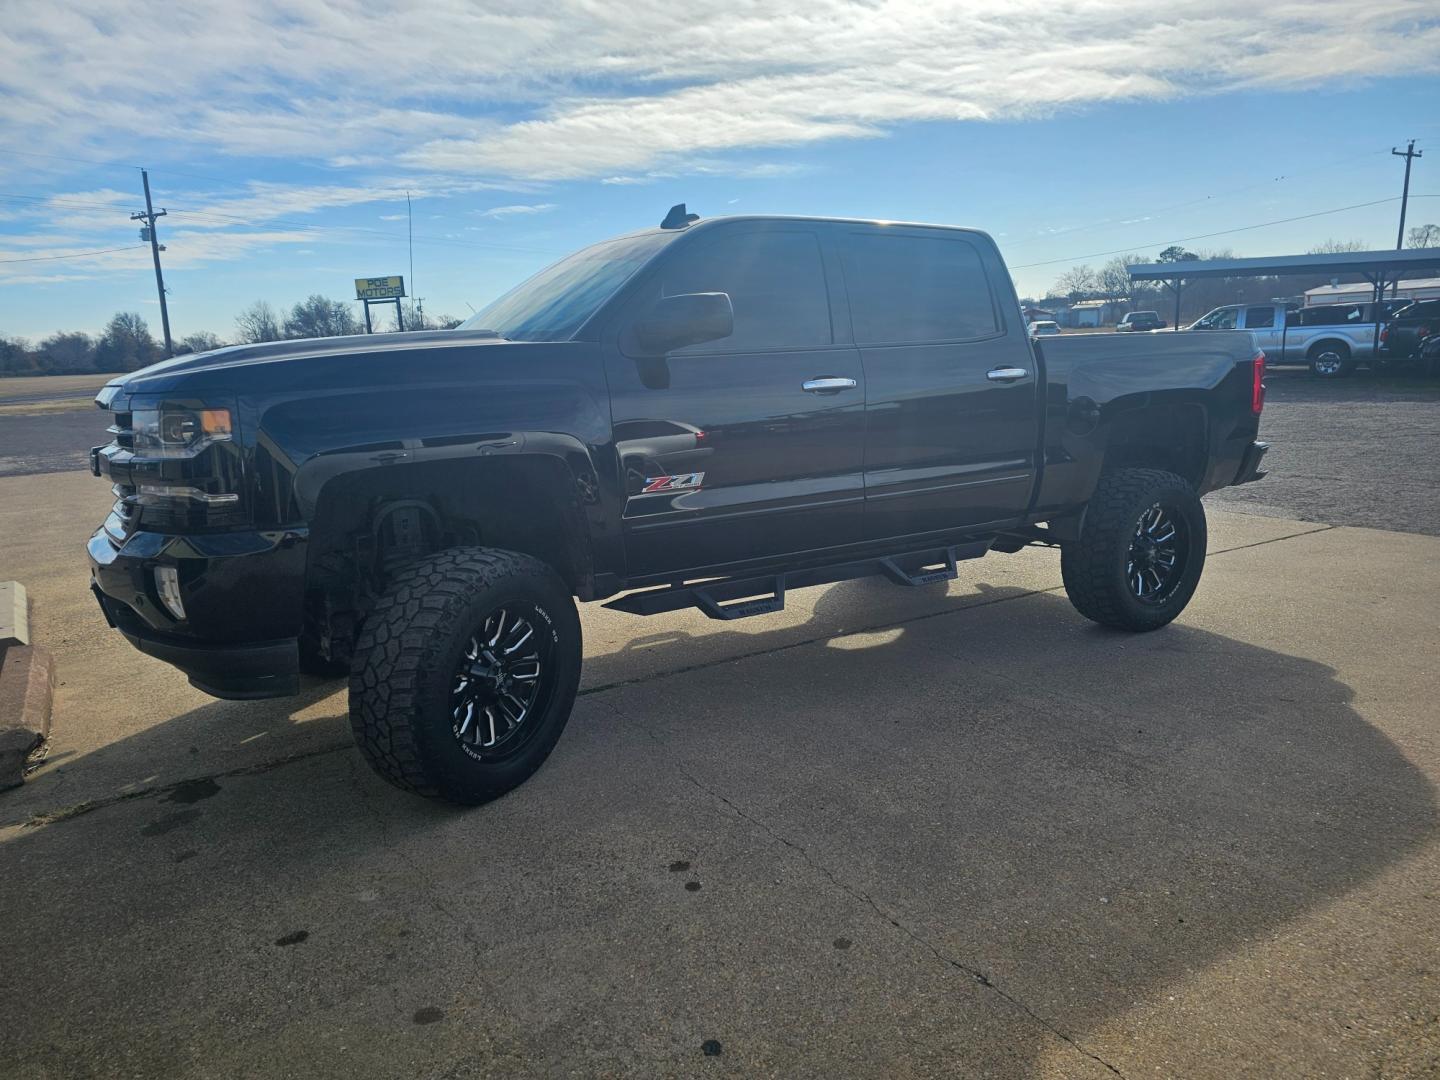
point(1409, 328)
point(698, 414)
point(1430, 355)
point(1044, 328)
point(1332, 338)
point(1140, 320)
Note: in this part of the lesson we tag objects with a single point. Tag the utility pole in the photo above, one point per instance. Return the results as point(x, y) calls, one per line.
point(156, 247)
point(1409, 154)
point(410, 231)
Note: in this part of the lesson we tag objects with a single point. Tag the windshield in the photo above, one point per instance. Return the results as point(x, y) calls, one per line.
point(554, 303)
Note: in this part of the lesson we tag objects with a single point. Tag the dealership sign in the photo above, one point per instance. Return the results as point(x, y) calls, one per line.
point(379, 288)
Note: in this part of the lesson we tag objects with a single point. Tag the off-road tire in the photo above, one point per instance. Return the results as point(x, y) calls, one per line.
point(1330, 360)
point(405, 660)
point(1094, 566)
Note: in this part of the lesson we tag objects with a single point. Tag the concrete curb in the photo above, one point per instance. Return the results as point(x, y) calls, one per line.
point(27, 687)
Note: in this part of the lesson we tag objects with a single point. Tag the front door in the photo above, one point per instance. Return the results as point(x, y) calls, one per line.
point(751, 446)
point(952, 415)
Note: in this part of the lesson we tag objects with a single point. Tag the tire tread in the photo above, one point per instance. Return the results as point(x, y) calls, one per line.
point(398, 644)
point(1085, 564)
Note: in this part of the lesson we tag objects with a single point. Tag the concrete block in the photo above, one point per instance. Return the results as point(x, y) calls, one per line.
point(14, 615)
point(27, 687)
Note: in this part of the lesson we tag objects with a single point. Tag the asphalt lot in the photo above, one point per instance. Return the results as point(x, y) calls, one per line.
point(942, 832)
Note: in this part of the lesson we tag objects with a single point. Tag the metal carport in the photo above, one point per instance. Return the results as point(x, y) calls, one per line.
point(1376, 267)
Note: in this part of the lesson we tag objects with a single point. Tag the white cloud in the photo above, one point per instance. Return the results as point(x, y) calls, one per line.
point(519, 210)
point(493, 90)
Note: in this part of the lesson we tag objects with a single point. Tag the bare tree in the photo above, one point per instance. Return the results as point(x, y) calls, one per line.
point(202, 341)
point(67, 354)
point(125, 344)
point(16, 357)
point(1114, 276)
point(1423, 236)
point(1336, 247)
point(257, 323)
point(1076, 283)
point(319, 316)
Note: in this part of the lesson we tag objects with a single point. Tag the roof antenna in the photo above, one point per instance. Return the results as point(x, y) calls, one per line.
point(677, 218)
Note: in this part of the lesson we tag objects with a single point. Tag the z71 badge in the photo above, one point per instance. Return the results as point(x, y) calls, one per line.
point(683, 482)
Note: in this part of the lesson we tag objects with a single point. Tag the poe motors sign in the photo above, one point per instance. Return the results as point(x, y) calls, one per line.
point(379, 288)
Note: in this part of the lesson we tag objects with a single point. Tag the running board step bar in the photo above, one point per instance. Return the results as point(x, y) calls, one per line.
point(740, 598)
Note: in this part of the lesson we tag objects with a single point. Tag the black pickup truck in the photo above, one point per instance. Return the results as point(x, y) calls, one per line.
point(702, 414)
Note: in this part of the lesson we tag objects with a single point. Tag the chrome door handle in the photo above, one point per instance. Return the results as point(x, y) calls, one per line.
point(827, 384)
point(1006, 374)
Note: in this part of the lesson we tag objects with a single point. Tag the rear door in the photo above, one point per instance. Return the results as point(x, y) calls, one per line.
point(951, 408)
point(751, 446)
point(1260, 320)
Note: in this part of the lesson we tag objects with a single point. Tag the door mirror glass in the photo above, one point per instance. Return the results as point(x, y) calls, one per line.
point(674, 322)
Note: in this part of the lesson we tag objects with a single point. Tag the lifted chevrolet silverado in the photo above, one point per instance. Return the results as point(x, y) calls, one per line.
point(702, 414)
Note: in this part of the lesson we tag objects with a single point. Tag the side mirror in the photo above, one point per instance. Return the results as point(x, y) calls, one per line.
point(687, 319)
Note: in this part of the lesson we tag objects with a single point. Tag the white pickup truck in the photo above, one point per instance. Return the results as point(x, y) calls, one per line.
point(1332, 338)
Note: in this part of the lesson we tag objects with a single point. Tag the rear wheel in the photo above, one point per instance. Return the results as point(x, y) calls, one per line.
point(465, 673)
point(1330, 360)
point(1140, 553)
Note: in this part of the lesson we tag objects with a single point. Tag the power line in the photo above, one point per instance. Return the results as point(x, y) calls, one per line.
point(75, 255)
point(363, 229)
point(1152, 211)
point(50, 200)
point(1220, 232)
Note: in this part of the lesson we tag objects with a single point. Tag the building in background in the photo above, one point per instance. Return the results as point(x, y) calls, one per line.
point(1361, 291)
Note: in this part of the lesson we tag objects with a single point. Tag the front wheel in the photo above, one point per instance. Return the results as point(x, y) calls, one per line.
point(1140, 552)
point(464, 674)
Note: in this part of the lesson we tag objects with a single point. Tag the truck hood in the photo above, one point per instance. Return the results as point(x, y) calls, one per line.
point(237, 360)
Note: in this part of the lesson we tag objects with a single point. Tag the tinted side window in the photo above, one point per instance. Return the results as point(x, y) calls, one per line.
point(1259, 318)
point(906, 288)
point(775, 281)
point(1425, 309)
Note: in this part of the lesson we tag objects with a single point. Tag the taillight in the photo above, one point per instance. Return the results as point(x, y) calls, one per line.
point(1384, 334)
point(1257, 383)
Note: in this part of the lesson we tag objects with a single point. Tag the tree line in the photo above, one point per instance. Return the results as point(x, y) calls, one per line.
point(127, 344)
point(1112, 281)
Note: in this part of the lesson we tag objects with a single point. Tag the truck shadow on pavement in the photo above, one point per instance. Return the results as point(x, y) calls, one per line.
point(959, 844)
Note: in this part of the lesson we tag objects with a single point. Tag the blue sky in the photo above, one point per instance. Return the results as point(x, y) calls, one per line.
point(282, 137)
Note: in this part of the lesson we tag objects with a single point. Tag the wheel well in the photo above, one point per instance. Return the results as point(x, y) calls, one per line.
point(369, 524)
point(1170, 437)
point(1342, 347)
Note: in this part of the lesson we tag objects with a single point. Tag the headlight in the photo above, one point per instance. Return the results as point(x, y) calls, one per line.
point(172, 431)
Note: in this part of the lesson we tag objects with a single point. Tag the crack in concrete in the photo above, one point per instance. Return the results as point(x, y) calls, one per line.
point(974, 973)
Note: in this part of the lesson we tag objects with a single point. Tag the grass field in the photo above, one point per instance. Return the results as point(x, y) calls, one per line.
point(37, 385)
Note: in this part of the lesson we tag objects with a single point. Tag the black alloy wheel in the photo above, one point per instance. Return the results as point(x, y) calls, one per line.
point(1158, 553)
point(505, 676)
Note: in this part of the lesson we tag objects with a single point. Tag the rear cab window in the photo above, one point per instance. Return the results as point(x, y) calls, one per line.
point(1260, 318)
point(918, 287)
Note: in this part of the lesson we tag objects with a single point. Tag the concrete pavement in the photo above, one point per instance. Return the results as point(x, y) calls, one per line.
point(887, 832)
